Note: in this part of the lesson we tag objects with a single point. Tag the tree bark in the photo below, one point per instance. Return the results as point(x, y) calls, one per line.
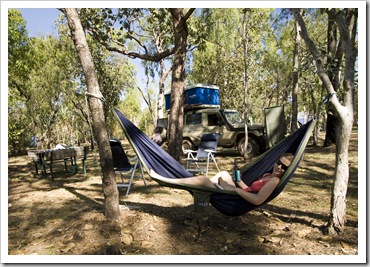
point(176, 117)
point(297, 48)
point(160, 102)
point(333, 61)
point(245, 54)
point(111, 197)
point(346, 26)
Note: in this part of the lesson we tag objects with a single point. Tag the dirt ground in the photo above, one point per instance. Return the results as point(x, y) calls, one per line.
point(66, 216)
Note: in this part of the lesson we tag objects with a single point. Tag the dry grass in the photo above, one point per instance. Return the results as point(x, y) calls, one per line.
point(66, 217)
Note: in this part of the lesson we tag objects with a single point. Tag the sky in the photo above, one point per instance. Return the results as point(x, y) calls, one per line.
point(40, 20)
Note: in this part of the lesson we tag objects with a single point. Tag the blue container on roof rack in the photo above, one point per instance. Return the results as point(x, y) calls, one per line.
point(198, 96)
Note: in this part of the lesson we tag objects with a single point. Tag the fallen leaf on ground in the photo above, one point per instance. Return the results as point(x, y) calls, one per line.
point(146, 244)
point(127, 239)
point(68, 247)
point(273, 239)
point(152, 228)
point(88, 226)
point(304, 232)
point(345, 247)
point(326, 238)
point(266, 213)
point(276, 233)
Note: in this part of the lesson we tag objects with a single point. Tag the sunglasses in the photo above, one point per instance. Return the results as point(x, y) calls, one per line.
point(283, 166)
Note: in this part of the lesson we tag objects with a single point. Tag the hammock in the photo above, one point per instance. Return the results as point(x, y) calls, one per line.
point(230, 203)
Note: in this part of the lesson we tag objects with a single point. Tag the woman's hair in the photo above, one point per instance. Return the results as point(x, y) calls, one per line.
point(158, 130)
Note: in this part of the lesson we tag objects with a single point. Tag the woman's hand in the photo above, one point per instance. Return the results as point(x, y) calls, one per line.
point(228, 187)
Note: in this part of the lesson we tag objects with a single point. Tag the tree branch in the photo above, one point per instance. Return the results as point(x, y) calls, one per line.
point(157, 57)
point(318, 60)
point(188, 14)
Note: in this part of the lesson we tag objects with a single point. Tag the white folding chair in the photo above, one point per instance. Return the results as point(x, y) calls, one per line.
point(204, 154)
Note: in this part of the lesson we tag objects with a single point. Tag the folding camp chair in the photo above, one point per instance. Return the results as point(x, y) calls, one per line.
point(205, 153)
point(122, 164)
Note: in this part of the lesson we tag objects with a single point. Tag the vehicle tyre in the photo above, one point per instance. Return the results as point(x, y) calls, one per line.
point(186, 145)
point(252, 148)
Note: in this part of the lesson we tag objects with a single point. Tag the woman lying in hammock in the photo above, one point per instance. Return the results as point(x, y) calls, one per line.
point(256, 193)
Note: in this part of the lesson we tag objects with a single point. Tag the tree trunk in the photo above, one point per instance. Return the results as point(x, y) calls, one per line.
point(163, 76)
point(110, 191)
point(176, 118)
point(297, 48)
point(245, 112)
point(331, 127)
point(160, 103)
point(333, 61)
point(337, 217)
point(347, 26)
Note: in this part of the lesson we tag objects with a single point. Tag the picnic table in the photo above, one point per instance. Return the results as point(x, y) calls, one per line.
point(42, 158)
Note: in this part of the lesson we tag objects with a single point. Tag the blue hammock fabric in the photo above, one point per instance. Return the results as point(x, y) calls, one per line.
point(154, 157)
point(151, 155)
point(234, 205)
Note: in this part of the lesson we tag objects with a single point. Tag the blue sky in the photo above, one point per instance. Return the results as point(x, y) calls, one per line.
point(40, 20)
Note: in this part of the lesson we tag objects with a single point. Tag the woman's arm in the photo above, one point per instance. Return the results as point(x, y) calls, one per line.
point(262, 195)
point(226, 181)
point(242, 185)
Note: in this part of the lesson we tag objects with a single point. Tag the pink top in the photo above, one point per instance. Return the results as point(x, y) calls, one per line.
point(258, 184)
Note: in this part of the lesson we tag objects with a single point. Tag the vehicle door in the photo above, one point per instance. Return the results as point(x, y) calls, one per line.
point(214, 123)
point(193, 127)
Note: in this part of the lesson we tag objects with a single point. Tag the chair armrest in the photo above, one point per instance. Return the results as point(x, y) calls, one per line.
point(189, 151)
point(190, 155)
point(210, 151)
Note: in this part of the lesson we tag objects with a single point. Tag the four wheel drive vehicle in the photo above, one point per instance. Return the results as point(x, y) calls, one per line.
point(228, 123)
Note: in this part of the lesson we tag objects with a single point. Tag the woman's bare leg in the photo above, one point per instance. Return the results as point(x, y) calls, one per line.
point(196, 180)
point(224, 179)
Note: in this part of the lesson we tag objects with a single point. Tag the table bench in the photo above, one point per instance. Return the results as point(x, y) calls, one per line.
point(42, 158)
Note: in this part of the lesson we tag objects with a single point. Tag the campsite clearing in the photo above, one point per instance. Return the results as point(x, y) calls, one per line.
point(66, 216)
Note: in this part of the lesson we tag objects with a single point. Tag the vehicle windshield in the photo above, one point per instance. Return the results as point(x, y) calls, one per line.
point(233, 117)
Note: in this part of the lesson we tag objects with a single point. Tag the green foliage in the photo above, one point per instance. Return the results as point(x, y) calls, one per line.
point(19, 61)
point(126, 29)
point(115, 78)
point(146, 122)
point(17, 35)
point(219, 60)
point(136, 33)
point(46, 83)
point(46, 98)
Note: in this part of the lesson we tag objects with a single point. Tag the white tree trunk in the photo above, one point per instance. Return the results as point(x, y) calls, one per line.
point(343, 113)
point(337, 218)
